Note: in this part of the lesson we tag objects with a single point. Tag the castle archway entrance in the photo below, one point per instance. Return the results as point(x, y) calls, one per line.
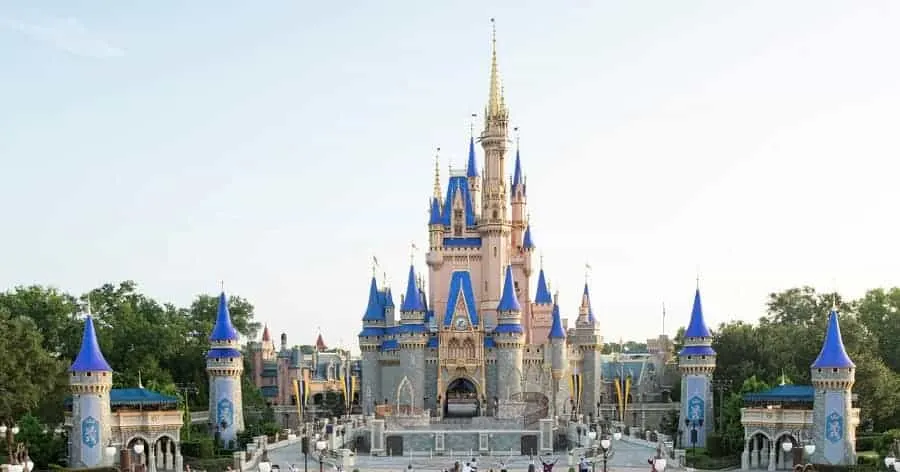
point(461, 399)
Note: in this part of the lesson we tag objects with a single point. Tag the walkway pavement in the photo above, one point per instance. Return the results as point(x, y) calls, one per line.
point(627, 457)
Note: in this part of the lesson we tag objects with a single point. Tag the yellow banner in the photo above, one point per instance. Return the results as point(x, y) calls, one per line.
point(299, 400)
point(619, 398)
point(627, 392)
point(580, 382)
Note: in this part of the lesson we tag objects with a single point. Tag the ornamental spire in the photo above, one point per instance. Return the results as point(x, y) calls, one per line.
point(496, 105)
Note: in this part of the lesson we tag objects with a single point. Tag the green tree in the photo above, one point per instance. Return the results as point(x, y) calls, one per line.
point(879, 313)
point(45, 447)
point(28, 372)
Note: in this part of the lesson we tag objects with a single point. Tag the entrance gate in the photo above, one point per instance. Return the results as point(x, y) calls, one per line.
point(395, 445)
point(529, 445)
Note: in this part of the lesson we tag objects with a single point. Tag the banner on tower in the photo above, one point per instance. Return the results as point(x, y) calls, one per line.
point(834, 427)
point(90, 431)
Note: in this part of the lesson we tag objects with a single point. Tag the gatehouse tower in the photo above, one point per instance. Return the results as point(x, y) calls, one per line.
point(90, 383)
point(224, 365)
point(834, 418)
point(696, 361)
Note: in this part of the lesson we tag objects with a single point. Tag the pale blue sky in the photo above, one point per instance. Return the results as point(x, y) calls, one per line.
point(279, 145)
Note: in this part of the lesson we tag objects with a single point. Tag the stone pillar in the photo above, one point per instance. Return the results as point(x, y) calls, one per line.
point(179, 461)
point(754, 453)
point(779, 455)
point(745, 456)
point(772, 452)
point(764, 454)
point(151, 457)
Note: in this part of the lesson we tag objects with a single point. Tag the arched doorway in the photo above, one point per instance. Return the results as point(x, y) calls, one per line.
point(461, 400)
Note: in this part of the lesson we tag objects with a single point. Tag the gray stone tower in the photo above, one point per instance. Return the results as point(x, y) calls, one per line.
point(834, 418)
point(224, 366)
point(558, 361)
point(90, 383)
point(697, 362)
point(510, 340)
point(412, 339)
point(370, 339)
point(588, 341)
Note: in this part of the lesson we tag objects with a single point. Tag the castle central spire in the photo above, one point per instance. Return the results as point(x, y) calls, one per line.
point(496, 107)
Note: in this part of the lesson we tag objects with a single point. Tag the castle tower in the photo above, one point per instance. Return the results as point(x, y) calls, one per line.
point(473, 177)
point(834, 418)
point(696, 361)
point(412, 339)
point(558, 361)
point(435, 218)
point(518, 203)
point(541, 309)
point(268, 347)
point(509, 337)
point(588, 341)
point(370, 339)
point(494, 223)
point(224, 366)
point(90, 383)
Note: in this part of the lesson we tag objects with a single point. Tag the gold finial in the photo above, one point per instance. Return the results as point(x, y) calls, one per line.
point(495, 99)
point(587, 273)
point(384, 280)
point(516, 130)
point(472, 125)
point(412, 253)
point(542, 260)
point(374, 266)
point(140, 384)
point(437, 174)
point(698, 277)
point(87, 306)
point(222, 286)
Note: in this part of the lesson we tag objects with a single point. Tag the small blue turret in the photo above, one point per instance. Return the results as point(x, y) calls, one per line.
point(224, 366)
point(558, 360)
point(471, 167)
point(508, 301)
point(833, 354)
point(697, 326)
point(697, 362)
point(90, 384)
point(412, 301)
point(542, 295)
point(556, 329)
point(586, 311)
point(527, 242)
point(517, 178)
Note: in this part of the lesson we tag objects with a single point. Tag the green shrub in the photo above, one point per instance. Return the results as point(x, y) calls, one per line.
point(866, 443)
point(210, 465)
point(199, 448)
point(885, 442)
point(871, 458)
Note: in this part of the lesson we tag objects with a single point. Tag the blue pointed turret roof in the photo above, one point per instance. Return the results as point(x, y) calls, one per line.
point(435, 218)
point(556, 329)
point(527, 242)
point(412, 301)
point(388, 297)
point(586, 299)
point(458, 184)
point(509, 301)
point(471, 168)
point(517, 172)
point(833, 354)
point(375, 308)
point(90, 358)
point(542, 295)
point(697, 326)
point(223, 330)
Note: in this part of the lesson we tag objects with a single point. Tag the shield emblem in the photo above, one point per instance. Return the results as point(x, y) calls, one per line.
point(834, 429)
point(225, 411)
point(90, 432)
point(696, 406)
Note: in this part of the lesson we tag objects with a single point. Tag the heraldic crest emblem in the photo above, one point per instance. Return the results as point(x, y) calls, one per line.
point(834, 427)
point(90, 432)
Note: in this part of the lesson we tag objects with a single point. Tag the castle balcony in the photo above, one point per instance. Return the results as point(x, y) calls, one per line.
point(776, 418)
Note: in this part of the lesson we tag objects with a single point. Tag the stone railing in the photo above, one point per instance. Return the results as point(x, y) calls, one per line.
point(249, 460)
point(775, 416)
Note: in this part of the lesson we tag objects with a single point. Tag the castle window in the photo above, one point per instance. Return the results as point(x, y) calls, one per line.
point(494, 214)
point(485, 286)
point(495, 251)
point(457, 222)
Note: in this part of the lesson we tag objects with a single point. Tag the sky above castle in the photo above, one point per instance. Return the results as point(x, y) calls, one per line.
point(280, 145)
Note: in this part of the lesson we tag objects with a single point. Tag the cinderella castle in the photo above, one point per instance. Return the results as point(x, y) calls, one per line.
point(475, 337)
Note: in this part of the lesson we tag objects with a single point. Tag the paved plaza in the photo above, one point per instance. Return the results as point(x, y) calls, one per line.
point(628, 456)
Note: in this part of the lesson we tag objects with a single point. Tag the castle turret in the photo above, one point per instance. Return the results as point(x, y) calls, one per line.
point(518, 203)
point(90, 383)
point(696, 361)
point(558, 361)
point(473, 177)
point(834, 418)
point(370, 339)
point(541, 309)
point(224, 365)
point(509, 337)
point(587, 339)
point(412, 339)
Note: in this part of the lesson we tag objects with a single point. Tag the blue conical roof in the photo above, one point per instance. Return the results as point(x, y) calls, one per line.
point(542, 296)
point(509, 301)
point(556, 330)
point(586, 299)
point(223, 330)
point(375, 309)
point(435, 218)
point(697, 327)
point(527, 242)
point(90, 358)
point(471, 168)
point(833, 354)
point(517, 173)
point(412, 301)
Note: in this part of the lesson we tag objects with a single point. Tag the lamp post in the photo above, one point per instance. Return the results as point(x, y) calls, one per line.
point(604, 447)
point(110, 452)
point(721, 386)
point(694, 427)
point(808, 451)
point(186, 390)
point(320, 447)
